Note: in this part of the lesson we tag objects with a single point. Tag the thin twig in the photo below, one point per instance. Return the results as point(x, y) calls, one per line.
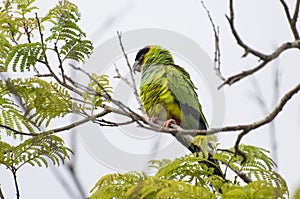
point(46, 62)
point(1, 193)
point(106, 95)
point(60, 129)
point(292, 20)
point(60, 62)
point(136, 94)
point(26, 30)
point(217, 53)
point(80, 122)
point(123, 78)
point(15, 131)
point(16, 183)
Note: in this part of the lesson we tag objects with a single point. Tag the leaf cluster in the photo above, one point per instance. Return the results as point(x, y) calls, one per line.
point(189, 177)
point(98, 91)
point(35, 152)
point(19, 22)
point(28, 103)
point(30, 42)
point(65, 31)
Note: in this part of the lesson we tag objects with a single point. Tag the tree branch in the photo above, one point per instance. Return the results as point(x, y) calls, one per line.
point(288, 45)
point(237, 37)
point(16, 183)
point(217, 53)
point(265, 58)
point(244, 128)
point(1, 193)
point(136, 94)
point(292, 20)
point(15, 131)
point(123, 78)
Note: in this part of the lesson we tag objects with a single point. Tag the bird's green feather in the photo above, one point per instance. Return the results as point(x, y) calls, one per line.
point(167, 91)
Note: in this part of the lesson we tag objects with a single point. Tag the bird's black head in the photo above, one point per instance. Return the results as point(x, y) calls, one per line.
point(152, 56)
point(140, 58)
point(141, 54)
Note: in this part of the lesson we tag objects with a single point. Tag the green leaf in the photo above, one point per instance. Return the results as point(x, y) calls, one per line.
point(35, 151)
point(11, 114)
point(100, 85)
point(43, 101)
point(24, 56)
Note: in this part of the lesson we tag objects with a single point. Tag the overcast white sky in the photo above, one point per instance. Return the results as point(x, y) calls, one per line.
point(261, 24)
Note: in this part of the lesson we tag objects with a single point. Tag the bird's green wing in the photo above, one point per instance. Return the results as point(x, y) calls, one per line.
point(183, 90)
point(168, 92)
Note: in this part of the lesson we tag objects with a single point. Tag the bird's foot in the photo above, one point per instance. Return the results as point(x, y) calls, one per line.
point(169, 122)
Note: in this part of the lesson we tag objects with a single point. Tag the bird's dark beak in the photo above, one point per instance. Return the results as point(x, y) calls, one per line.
point(136, 66)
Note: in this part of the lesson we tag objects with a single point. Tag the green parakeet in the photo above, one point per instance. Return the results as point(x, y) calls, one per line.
point(168, 94)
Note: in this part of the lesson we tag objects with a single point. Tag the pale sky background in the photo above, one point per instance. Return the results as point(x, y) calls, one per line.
point(261, 24)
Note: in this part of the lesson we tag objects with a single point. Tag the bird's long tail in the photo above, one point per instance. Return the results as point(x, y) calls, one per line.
point(187, 141)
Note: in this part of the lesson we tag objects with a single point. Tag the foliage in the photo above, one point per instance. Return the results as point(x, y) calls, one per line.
point(5, 48)
point(189, 177)
point(10, 114)
point(34, 151)
point(66, 38)
point(64, 18)
point(35, 44)
point(99, 84)
point(42, 101)
point(116, 184)
point(258, 166)
point(297, 194)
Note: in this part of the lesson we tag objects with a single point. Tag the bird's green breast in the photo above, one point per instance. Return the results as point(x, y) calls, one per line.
point(156, 95)
point(167, 92)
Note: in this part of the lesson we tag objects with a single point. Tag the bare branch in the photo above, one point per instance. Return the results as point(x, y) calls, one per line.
point(217, 58)
point(13, 170)
point(127, 110)
point(75, 124)
point(288, 45)
point(131, 76)
point(60, 129)
point(237, 37)
point(242, 175)
point(46, 62)
point(235, 78)
point(60, 62)
point(264, 58)
point(1, 194)
point(296, 14)
point(259, 97)
point(269, 117)
point(292, 20)
point(120, 76)
point(246, 127)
